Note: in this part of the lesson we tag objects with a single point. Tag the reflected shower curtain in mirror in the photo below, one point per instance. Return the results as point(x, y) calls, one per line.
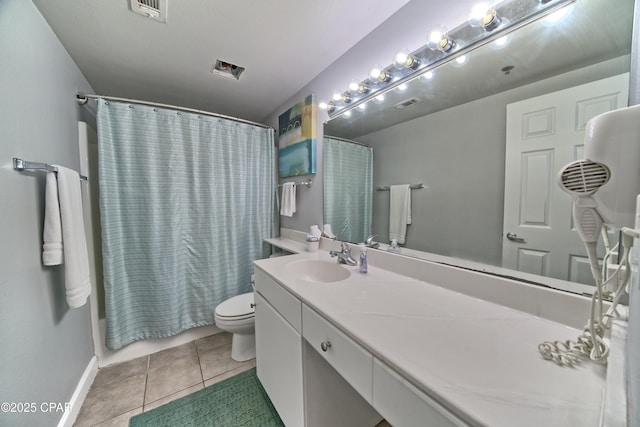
point(185, 203)
point(348, 188)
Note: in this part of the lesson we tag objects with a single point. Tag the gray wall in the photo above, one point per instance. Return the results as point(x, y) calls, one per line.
point(45, 345)
point(458, 154)
point(379, 46)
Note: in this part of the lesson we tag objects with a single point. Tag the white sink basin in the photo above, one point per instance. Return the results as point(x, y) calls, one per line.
point(313, 270)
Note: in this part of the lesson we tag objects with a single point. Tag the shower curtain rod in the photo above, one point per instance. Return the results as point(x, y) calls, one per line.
point(82, 99)
point(347, 140)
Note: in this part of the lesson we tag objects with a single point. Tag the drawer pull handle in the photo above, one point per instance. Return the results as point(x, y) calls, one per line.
point(325, 345)
point(253, 305)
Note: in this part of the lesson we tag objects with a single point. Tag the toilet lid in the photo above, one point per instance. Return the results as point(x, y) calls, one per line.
point(239, 305)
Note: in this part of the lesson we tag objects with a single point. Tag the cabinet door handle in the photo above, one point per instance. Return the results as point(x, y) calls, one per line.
point(253, 305)
point(325, 345)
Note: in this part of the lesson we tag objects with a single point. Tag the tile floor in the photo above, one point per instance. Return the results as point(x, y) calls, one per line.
point(127, 389)
point(121, 391)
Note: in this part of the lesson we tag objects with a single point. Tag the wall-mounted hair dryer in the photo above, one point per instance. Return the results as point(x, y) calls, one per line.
point(604, 187)
point(609, 179)
point(613, 139)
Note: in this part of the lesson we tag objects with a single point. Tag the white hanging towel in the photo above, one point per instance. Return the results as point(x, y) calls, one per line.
point(399, 212)
point(76, 273)
point(52, 253)
point(288, 205)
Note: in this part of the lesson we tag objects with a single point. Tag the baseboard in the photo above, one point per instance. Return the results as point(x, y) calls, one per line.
point(142, 348)
point(80, 393)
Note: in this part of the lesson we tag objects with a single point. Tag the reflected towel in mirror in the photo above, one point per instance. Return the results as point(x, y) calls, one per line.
point(399, 212)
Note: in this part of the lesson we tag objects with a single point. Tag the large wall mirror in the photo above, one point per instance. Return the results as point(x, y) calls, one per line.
point(487, 137)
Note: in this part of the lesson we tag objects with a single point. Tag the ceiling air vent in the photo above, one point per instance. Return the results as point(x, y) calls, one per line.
point(152, 9)
point(227, 69)
point(407, 102)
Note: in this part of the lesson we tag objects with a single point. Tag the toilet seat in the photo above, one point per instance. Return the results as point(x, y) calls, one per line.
point(239, 307)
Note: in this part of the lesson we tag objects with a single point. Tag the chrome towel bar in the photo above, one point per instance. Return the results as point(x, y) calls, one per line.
point(412, 186)
point(22, 165)
point(306, 183)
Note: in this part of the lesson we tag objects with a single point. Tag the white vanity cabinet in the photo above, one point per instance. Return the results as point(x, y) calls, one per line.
point(279, 348)
point(350, 352)
point(316, 375)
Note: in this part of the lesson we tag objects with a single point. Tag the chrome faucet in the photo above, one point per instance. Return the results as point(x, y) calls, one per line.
point(344, 256)
point(370, 243)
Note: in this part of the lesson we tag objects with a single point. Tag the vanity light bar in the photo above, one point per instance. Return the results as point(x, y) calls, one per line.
point(505, 17)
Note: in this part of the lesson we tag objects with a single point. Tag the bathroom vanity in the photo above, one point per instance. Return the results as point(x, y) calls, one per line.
point(336, 347)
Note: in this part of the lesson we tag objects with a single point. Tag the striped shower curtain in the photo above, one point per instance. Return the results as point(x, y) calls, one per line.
point(185, 203)
point(348, 188)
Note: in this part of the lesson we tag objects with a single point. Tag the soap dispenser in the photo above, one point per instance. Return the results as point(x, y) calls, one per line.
point(394, 248)
point(363, 259)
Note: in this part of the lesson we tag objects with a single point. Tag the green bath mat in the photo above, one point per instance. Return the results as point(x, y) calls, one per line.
point(235, 402)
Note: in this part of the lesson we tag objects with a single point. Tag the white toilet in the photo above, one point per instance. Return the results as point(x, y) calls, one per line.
point(237, 316)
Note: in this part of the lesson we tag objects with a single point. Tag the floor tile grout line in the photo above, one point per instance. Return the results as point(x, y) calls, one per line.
point(146, 380)
point(199, 363)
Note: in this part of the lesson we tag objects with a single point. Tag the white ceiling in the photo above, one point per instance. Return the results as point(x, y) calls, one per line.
point(283, 44)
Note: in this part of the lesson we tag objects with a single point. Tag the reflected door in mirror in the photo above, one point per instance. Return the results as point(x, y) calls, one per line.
point(544, 134)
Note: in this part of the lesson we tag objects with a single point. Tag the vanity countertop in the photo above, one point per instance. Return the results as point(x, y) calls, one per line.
point(478, 359)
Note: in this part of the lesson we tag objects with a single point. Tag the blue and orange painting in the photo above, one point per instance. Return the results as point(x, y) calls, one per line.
point(297, 139)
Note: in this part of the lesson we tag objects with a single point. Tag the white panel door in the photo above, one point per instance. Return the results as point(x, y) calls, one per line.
point(544, 134)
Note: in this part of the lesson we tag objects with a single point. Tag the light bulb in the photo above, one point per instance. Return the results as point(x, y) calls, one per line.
point(439, 40)
point(404, 59)
point(363, 88)
point(484, 15)
point(374, 73)
point(331, 106)
point(322, 105)
point(337, 96)
point(353, 86)
point(435, 36)
point(384, 76)
point(346, 97)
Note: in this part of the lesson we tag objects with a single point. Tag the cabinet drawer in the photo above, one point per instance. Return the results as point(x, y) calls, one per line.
point(402, 404)
point(284, 302)
point(350, 360)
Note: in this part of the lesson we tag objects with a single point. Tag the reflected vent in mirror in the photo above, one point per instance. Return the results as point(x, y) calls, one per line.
point(152, 9)
point(407, 102)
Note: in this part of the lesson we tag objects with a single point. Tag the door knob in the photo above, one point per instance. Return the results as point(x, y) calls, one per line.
point(514, 238)
point(325, 345)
